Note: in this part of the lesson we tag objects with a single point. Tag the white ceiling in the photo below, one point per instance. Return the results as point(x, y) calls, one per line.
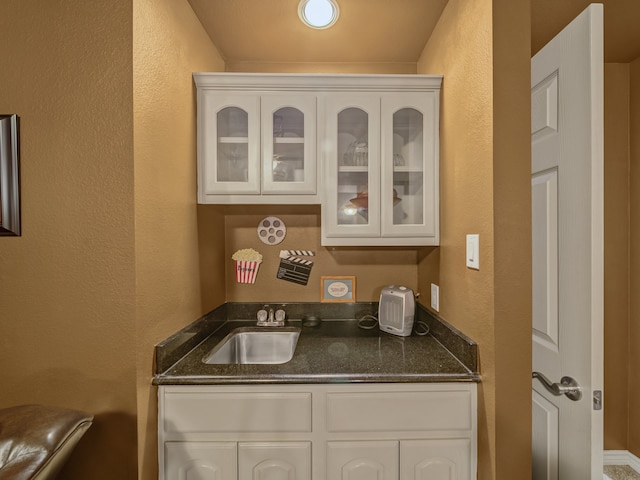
point(381, 31)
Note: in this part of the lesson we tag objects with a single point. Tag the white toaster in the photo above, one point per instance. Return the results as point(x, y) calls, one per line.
point(396, 310)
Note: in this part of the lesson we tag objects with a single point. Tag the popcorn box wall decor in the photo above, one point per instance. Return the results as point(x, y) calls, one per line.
point(246, 271)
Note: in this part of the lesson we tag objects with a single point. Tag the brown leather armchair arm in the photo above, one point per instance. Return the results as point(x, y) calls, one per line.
point(36, 440)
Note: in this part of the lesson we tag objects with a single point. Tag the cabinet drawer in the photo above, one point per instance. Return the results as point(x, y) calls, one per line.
point(192, 412)
point(399, 411)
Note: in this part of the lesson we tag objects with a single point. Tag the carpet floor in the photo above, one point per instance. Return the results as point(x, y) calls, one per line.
point(620, 472)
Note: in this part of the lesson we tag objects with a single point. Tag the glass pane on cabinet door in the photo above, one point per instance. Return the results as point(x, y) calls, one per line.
point(233, 145)
point(353, 167)
point(408, 168)
point(288, 145)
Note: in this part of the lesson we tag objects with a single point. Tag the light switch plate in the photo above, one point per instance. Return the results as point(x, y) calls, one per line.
point(473, 251)
point(435, 297)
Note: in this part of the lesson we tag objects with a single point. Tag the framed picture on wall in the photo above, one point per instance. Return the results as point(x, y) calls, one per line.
point(341, 289)
point(9, 176)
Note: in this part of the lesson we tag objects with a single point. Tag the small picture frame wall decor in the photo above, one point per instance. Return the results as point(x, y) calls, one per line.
point(9, 176)
point(340, 289)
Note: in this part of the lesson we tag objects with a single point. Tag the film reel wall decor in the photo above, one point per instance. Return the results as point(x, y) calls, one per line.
point(272, 230)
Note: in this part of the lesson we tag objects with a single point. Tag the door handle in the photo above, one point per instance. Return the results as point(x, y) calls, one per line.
point(567, 386)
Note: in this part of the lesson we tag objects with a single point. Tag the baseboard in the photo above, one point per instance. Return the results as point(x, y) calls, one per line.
point(622, 457)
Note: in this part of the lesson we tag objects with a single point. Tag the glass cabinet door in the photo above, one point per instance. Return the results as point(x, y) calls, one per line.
point(353, 167)
point(288, 144)
point(409, 179)
point(352, 197)
point(231, 162)
point(233, 145)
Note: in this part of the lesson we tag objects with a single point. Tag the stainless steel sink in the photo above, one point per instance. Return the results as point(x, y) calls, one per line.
point(255, 345)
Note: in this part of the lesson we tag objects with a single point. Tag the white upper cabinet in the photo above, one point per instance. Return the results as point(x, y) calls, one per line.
point(256, 141)
point(381, 180)
point(363, 146)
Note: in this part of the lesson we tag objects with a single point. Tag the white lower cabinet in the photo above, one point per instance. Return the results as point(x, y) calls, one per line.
point(321, 432)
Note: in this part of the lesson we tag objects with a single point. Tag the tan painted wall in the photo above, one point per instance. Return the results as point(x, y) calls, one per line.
point(168, 45)
point(460, 48)
point(512, 235)
point(374, 268)
point(482, 48)
point(101, 274)
point(634, 274)
point(616, 256)
point(67, 285)
point(381, 68)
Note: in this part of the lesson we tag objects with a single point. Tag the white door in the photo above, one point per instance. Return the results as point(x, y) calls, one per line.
point(567, 215)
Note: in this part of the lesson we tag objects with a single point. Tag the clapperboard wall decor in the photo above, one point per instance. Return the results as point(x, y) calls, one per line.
point(295, 269)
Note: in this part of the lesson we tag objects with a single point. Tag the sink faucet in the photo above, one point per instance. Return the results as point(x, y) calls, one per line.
point(270, 318)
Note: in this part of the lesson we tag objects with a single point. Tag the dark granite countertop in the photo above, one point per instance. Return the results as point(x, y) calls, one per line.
point(335, 351)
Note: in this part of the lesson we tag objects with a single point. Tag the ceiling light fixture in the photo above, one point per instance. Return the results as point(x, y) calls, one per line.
point(318, 14)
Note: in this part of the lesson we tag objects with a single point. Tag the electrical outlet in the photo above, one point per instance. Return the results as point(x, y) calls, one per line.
point(435, 297)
